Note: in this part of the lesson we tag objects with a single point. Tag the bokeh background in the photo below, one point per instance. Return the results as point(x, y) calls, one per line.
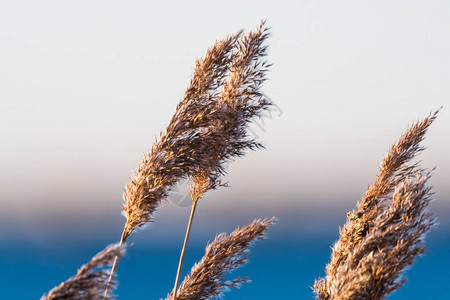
point(85, 86)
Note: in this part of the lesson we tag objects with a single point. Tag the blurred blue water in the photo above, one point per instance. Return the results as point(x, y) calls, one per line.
point(280, 268)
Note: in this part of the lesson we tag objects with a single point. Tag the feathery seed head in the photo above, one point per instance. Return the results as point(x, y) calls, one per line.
point(209, 126)
point(90, 282)
point(395, 172)
point(207, 279)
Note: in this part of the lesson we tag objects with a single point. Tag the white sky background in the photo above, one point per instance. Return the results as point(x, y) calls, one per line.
point(86, 85)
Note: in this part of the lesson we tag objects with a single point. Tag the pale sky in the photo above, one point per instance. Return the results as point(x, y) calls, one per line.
point(86, 85)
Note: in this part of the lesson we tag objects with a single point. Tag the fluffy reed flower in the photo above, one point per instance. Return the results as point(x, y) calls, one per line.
point(395, 170)
point(90, 280)
point(374, 267)
point(208, 127)
point(207, 278)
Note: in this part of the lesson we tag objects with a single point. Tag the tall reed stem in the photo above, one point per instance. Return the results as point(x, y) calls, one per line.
point(183, 251)
point(114, 266)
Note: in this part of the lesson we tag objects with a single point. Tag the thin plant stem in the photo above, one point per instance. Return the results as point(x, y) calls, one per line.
point(115, 265)
point(183, 251)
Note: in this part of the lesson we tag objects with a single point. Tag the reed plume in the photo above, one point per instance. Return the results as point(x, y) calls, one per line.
point(90, 280)
point(239, 101)
point(368, 223)
point(207, 279)
point(182, 149)
point(208, 128)
point(374, 266)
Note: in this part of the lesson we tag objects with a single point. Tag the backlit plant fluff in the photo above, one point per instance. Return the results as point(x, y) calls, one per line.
point(91, 279)
point(384, 235)
point(208, 129)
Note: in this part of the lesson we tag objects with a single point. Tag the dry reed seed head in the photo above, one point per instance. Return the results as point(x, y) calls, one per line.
point(394, 169)
point(374, 267)
point(209, 126)
point(207, 279)
point(90, 281)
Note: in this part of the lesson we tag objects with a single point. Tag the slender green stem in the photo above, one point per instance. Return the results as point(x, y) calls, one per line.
point(114, 266)
point(183, 251)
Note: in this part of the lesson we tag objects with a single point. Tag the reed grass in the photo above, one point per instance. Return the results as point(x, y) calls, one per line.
point(208, 128)
point(381, 237)
point(207, 279)
point(384, 234)
point(91, 280)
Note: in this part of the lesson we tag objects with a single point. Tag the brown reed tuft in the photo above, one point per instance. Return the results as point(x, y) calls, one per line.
point(207, 279)
point(374, 266)
point(208, 127)
point(90, 280)
point(361, 225)
point(178, 153)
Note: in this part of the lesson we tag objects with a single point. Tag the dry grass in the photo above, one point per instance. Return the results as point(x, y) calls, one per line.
point(91, 279)
point(382, 236)
point(208, 127)
point(207, 279)
point(380, 239)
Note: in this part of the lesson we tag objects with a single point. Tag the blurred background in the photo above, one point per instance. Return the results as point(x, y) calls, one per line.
point(86, 86)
